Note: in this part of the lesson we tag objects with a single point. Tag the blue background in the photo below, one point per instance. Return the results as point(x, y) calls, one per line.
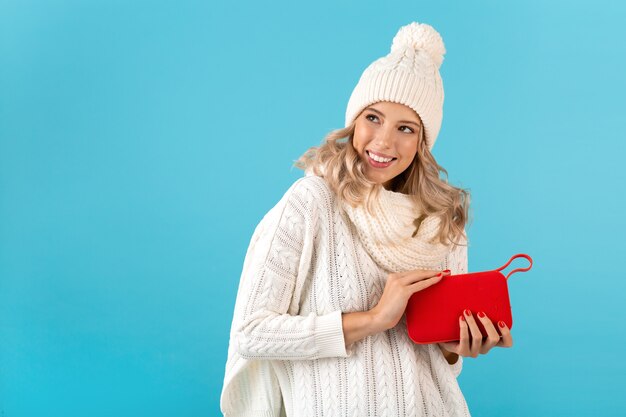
point(140, 144)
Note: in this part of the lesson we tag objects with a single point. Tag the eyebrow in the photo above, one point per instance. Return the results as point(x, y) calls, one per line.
point(400, 121)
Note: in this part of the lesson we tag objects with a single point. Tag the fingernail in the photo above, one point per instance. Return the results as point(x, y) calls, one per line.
point(481, 314)
point(501, 324)
point(467, 312)
point(462, 318)
point(447, 271)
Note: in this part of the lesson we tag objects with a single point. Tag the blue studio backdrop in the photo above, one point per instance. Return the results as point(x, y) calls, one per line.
point(142, 142)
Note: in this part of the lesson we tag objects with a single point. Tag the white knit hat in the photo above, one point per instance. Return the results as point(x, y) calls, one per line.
point(409, 75)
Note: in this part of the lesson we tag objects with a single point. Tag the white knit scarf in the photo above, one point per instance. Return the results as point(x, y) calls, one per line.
point(387, 236)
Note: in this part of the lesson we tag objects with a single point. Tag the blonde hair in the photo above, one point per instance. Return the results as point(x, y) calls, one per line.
point(340, 165)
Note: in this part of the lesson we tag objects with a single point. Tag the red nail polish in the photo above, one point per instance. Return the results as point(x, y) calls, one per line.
point(481, 314)
point(447, 272)
point(501, 324)
point(462, 318)
point(467, 312)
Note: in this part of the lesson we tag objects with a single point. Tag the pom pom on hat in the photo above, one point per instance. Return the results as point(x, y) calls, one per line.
point(420, 36)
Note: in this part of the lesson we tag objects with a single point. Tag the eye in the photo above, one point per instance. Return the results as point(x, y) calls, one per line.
point(410, 130)
point(370, 115)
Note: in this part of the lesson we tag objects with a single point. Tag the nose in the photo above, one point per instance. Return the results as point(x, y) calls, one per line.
point(383, 139)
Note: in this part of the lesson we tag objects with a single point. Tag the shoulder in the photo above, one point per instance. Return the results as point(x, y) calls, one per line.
point(311, 190)
point(305, 198)
point(314, 184)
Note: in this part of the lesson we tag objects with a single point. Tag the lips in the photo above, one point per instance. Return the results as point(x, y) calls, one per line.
point(376, 164)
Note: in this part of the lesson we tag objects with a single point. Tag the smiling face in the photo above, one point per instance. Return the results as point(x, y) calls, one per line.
point(382, 131)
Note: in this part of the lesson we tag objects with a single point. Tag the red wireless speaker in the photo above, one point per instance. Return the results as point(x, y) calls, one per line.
point(432, 314)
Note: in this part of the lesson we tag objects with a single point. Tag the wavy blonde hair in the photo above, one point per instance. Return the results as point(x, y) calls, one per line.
point(338, 162)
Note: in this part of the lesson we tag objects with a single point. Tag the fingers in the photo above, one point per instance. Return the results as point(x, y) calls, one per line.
point(471, 342)
point(464, 341)
point(477, 336)
point(493, 337)
point(507, 339)
point(416, 275)
point(423, 283)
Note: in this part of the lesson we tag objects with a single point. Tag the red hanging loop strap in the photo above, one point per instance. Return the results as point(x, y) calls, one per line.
point(519, 255)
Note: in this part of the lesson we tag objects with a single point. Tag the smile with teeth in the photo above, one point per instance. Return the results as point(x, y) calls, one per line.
point(379, 158)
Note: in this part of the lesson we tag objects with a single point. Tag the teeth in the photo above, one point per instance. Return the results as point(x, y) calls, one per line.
point(378, 158)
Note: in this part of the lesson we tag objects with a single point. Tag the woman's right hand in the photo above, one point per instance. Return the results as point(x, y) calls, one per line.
point(398, 289)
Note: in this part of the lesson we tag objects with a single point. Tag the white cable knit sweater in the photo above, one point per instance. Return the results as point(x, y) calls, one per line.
point(287, 356)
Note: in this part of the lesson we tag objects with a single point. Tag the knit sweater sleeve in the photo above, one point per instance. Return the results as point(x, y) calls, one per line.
point(266, 324)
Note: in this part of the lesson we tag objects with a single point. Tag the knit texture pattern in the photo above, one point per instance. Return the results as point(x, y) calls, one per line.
point(304, 266)
point(387, 234)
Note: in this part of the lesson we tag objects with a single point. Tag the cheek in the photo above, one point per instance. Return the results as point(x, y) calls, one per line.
point(360, 140)
point(408, 153)
point(356, 143)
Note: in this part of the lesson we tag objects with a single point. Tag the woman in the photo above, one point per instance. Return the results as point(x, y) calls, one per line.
point(318, 327)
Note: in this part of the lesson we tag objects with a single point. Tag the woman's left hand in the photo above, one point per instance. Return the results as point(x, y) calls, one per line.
point(475, 345)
